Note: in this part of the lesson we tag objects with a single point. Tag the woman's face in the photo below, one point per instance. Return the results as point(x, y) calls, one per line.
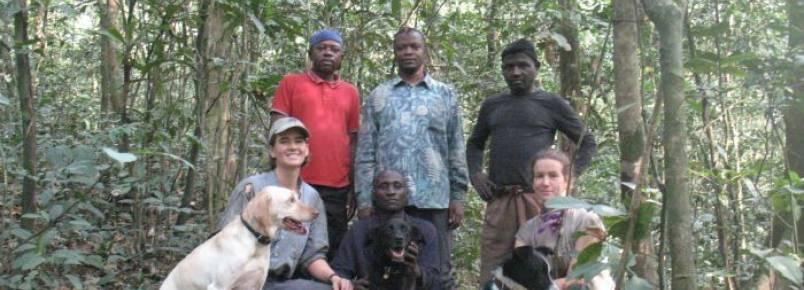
point(290, 149)
point(548, 179)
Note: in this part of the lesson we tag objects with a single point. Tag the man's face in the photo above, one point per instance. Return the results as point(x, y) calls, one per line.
point(390, 191)
point(409, 51)
point(519, 72)
point(326, 57)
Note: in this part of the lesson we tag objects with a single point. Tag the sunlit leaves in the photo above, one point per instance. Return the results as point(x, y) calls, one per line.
point(123, 158)
point(788, 267)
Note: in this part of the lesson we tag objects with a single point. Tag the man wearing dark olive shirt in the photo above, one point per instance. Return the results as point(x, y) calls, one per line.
point(520, 123)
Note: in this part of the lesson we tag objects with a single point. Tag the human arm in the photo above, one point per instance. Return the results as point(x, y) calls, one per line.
point(475, 146)
point(458, 174)
point(321, 271)
point(365, 160)
point(568, 122)
point(281, 104)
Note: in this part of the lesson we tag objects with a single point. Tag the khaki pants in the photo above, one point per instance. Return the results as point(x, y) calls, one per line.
point(504, 215)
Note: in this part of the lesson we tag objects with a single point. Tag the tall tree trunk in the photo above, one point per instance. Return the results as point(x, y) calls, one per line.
point(569, 60)
point(492, 35)
point(111, 72)
point(214, 45)
point(27, 100)
point(712, 163)
point(569, 70)
point(668, 19)
point(629, 119)
point(794, 112)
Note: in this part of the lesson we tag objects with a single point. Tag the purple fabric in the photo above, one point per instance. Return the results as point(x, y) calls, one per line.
point(551, 220)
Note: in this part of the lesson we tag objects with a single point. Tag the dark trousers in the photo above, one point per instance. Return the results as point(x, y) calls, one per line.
point(440, 219)
point(335, 201)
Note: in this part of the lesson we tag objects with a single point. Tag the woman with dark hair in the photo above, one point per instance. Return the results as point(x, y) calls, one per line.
point(558, 229)
point(297, 261)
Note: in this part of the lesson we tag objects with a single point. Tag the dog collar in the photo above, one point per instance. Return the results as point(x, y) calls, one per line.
point(265, 240)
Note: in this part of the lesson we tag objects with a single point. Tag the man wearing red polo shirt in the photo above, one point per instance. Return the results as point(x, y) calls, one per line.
point(330, 108)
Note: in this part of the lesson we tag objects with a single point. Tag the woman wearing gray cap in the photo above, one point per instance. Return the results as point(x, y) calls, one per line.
point(297, 261)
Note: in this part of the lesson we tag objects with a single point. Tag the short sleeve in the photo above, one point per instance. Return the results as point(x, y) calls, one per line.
point(590, 223)
point(281, 102)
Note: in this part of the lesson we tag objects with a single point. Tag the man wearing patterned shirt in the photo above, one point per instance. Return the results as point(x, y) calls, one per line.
point(413, 123)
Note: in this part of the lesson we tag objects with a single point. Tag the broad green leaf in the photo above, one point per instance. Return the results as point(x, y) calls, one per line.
point(637, 283)
point(647, 211)
point(113, 33)
point(563, 202)
point(788, 267)
point(70, 257)
point(4, 101)
point(123, 158)
point(590, 253)
point(21, 233)
point(701, 65)
point(28, 261)
point(75, 281)
point(588, 270)
point(605, 210)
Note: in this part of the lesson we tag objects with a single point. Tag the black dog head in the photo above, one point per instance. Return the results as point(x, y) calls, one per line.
point(530, 267)
point(394, 236)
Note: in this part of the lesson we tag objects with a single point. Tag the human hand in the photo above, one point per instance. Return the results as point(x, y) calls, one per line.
point(483, 186)
point(361, 284)
point(364, 213)
point(412, 259)
point(339, 283)
point(455, 214)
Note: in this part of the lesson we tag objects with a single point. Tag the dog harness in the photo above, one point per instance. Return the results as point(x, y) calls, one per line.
point(265, 240)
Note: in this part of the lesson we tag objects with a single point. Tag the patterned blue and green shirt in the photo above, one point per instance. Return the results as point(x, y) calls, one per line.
point(417, 131)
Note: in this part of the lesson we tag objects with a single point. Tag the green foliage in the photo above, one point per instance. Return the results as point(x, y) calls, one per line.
point(107, 219)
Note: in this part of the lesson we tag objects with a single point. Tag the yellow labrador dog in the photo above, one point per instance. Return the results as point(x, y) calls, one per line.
point(237, 257)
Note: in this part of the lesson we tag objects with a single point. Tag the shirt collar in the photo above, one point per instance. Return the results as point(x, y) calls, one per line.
point(318, 80)
point(427, 82)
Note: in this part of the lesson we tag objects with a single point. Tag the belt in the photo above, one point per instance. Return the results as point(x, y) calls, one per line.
point(512, 189)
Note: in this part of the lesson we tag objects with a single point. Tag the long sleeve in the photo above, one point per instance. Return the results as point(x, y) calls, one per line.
point(477, 142)
point(569, 124)
point(458, 175)
point(365, 158)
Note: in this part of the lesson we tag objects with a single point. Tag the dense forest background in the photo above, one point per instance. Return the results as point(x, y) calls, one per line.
point(124, 125)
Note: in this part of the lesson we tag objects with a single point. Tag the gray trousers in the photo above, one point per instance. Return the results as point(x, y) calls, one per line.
point(295, 284)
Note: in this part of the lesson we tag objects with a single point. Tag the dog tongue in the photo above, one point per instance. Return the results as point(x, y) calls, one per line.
point(398, 255)
point(294, 226)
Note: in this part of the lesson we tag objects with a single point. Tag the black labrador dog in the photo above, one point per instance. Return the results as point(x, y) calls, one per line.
point(388, 245)
point(527, 268)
